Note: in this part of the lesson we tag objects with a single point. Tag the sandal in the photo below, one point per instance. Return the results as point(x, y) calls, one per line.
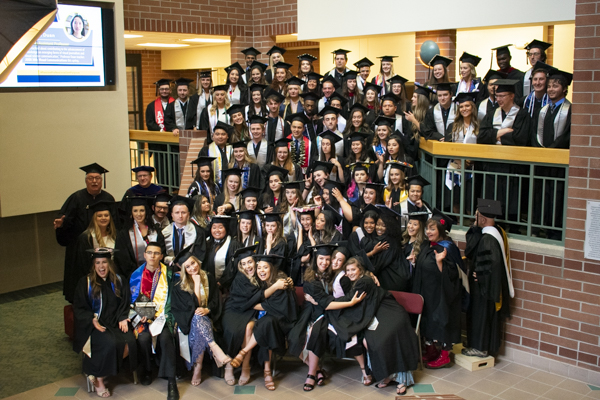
point(321, 376)
point(237, 361)
point(103, 393)
point(307, 386)
point(269, 384)
point(230, 380)
point(401, 389)
point(367, 380)
point(243, 381)
point(383, 384)
point(196, 382)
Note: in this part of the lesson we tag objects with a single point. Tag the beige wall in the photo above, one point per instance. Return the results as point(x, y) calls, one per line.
point(46, 136)
point(402, 45)
point(564, 46)
point(197, 57)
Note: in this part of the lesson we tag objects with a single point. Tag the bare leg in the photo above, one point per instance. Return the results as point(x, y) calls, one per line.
point(366, 379)
point(269, 384)
point(100, 388)
point(197, 376)
point(245, 375)
point(313, 366)
point(126, 351)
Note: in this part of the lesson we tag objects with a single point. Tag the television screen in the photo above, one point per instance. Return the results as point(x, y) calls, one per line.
point(75, 51)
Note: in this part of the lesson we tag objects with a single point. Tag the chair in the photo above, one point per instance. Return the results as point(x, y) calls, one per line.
point(413, 304)
point(299, 296)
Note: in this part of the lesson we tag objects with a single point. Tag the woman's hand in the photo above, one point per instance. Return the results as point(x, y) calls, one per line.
point(380, 246)
point(310, 299)
point(388, 202)
point(380, 159)
point(143, 320)
point(280, 284)
point(176, 132)
point(123, 326)
point(411, 257)
point(358, 298)
point(97, 325)
point(221, 210)
point(337, 194)
point(335, 162)
point(202, 311)
point(442, 139)
point(318, 200)
point(288, 282)
point(59, 222)
point(410, 117)
point(268, 210)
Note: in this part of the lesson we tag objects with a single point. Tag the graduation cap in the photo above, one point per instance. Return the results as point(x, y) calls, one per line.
point(236, 108)
point(322, 166)
point(162, 197)
point(342, 247)
point(470, 58)
point(207, 73)
point(332, 136)
point(421, 216)
point(313, 76)
point(502, 49)
point(272, 217)
point(543, 67)
point(310, 96)
point(230, 171)
point(398, 79)
point(401, 165)
point(276, 49)
point(377, 187)
point(250, 192)
point(283, 65)
point(371, 86)
point(505, 85)
point(538, 44)
point(162, 82)
point(387, 58)
point(323, 249)
point(307, 210)
point(330, 185)
point(283, 142)
point(222, 125)
point(463, 97)
point(331, 212)
point(221, 219)
point(101, 252)
point(299, 116)
point(276, 170)
point(443, 219)
point(235, 65)
point(329, 110)
point(184, 255)
point(203, 161)
point(361, 165)
point(143, 168)
point(294, 185)
point(444, 86)
point(358, 136)
point(240, 144)
point(186, 201)
point(556, 73)
point(307, 57)
point(251, 51)
point(350, 75)
point(245, 252)
point(257, 87)
point(294, 80)
point(272, 259)
point(338, 96)
point(258, 119)
point(258, 64)
point(417, 180)
point(439, 59)
point(95, 168)
point(331, 79)
point(340, 52)
point(270, 93)
point(423, 90)
point(385, 211)
point(135, 201)
point(246, 214)
point(360, 107)
point(494, 74)
point(363, 62)
point(218, 88)
point(183, 82)
point(102, 205)
point(391, 97)
point(387, 121)
point(489, 208)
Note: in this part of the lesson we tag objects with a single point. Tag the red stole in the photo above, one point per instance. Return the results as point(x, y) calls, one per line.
point(146, 285)
point(159, 113)
point(307, 144)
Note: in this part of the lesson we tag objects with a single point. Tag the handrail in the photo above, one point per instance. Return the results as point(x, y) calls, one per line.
point(492, 152)
point(152, 136)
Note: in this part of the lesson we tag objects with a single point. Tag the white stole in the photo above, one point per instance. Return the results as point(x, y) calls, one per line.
point(261, 159)
point(560, 122)
point(179, 115)
point(221, 258)
point(339, 146)
point(234, 96)
point(439, 119)
point(508, 121)
point(213, 151)
point(202, 104)
point(491, 230)
point(341, 123)
point(527, 82)
point(482, 110)
point(189, 237)
point(214, 118)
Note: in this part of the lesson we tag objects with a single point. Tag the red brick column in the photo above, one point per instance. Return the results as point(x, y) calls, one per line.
point(446, 40)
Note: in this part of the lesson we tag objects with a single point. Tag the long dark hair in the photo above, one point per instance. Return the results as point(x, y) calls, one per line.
point(313, 274)
point(147, 219)
point(326, 235)
point(95, 280)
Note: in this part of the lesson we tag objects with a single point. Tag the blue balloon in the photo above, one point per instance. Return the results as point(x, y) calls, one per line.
point(429, 49)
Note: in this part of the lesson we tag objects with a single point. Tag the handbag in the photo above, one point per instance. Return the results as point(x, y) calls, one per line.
point(144, 307)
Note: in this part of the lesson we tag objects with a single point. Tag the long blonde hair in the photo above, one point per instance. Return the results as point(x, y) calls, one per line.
point(187, 282)
point(213, 107)
point(419, 112)
point(459, 123)
point(252, 278)
point(93, 227)
point(418, 240)
point(226, 191)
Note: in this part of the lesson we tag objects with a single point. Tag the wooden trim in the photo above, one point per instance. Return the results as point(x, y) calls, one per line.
point(498, 152)
point(152, 136)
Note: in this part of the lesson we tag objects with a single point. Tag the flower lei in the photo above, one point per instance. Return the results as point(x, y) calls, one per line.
point(302, 158)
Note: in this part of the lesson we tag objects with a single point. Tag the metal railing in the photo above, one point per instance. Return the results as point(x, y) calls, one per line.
point(530, 182)
point(159, 150)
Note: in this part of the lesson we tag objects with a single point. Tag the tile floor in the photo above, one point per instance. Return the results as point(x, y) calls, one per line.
point(507, 380)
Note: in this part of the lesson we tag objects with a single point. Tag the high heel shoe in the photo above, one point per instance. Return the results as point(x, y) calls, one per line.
point(307, 386)
point(367, 380)
point(244, 380)
point(229, 377)
point(219, 355)
point(237, 361)
point(269, 384)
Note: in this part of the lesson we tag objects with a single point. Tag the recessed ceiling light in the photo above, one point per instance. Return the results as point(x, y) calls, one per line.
point(162, 45)
point(129, 36)
point(207, 40)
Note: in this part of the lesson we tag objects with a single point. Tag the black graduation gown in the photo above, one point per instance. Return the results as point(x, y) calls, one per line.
point(271, 330)
point(256, 179)
point(151, 124)
point(107, 346)
point(441, 293)
point(393, 345)
point(190, 115)
point(125, 256)
point(429, 129)
point(281, 249)
point(184, 304)
point(239, 311)
point(317, 342)
point(386, 265)
point(77, 219)
point(520, 76)
point(83, 261)
point(294, 267)
point(484, 323)
point(230, 270)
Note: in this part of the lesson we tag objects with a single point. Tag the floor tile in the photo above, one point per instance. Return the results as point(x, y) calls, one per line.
point(574, 386)
point(67, 391)
point(518, 369)
point(592, 387)
point(423, 388)
point(532, 386)
point(490, 387)
point(547, 378)
point(515, 394)
point(561, 394)
point(445, 387)
point(470, 394)
point(504, 378)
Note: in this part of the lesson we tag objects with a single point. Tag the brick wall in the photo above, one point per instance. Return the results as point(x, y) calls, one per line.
point(446, 40)
point(550, 51)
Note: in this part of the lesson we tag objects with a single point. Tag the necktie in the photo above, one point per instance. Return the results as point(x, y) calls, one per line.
point(297, 144)
point(179, 239)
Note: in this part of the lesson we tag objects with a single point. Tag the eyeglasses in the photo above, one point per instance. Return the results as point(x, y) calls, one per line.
point(530, 54)
point(153, 253)
point(157, 208)
point(94, 178)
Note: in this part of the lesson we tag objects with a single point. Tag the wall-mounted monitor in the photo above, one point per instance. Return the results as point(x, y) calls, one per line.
point(76, 51)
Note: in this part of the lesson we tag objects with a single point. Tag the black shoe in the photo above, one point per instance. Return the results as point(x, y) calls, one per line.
point(172, 392)
point(146, 378)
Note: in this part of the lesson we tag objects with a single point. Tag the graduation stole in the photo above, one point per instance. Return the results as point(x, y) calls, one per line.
point(214, 118)
point(221, 258)
point(560, 122)
point(213, 151)
point(138, 243)
point(380, 80)
point(508, 121)
point(530, 102)
point(245, 173)
point(482, 109)
point(261, 158)
point(202, 104)
point(204, 293)
point(503, 242)
point(234, 95)
point(159, 113)
point(462, 86)
point(305, 145)
point(160, 286)
point(439, 118)
point(180, 116)
point(97, 302)
point(466, 137)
